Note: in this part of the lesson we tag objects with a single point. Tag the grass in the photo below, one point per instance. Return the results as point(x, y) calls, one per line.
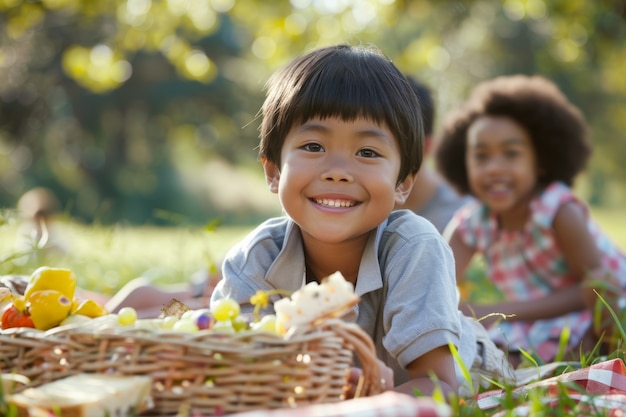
point(105, 258)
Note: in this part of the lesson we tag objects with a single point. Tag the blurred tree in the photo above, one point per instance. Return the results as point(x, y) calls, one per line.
point(116, 103)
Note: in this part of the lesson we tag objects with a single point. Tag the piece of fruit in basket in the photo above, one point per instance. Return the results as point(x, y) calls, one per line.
point(330, 298)
point(48, 278)
point(267, 323)
point(48, 308)
point(12, 317)
point(127, 316)
point(225, 309)
point(89, 308)
point(86, 395)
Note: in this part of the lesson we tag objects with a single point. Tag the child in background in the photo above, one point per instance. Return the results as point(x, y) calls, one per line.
point(340, 143)
point(517, 145)
point(431, 196)
point(38, 233)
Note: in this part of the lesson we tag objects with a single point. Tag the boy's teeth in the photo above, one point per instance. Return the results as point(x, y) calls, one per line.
point(334, 203)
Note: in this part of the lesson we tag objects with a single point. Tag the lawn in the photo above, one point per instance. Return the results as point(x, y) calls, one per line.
point(104, 258)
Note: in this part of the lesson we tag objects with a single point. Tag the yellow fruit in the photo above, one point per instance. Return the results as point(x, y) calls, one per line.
point(89, 308)
point(48, 308)
point(47, 278)
point(20, 303)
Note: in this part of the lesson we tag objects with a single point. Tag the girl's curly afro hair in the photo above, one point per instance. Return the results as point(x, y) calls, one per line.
point(556, 127)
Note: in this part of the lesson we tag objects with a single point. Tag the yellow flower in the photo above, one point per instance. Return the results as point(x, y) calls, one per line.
point(261, 299)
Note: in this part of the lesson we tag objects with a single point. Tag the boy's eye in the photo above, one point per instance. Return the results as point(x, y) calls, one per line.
point(367, 153)
point(313, 147)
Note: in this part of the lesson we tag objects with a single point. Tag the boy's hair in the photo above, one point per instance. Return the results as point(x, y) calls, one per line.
point(556, 127)
point(346, 82)
point(427, 106)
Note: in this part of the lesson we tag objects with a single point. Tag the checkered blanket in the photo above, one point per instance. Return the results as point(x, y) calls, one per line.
point(599, 389)
point(387, 404)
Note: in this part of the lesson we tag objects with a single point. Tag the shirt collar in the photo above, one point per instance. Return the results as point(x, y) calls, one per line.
point(287, 270)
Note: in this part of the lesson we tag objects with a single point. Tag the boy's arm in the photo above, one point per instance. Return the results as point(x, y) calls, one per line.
point(432, 369)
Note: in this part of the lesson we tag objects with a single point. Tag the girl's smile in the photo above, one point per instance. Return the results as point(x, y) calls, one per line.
point(502, 167)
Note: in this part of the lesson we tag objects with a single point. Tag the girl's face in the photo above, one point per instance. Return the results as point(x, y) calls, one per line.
point(502, 166)
point(337, 179)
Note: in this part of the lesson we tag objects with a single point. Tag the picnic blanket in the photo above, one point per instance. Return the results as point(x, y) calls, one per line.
point(387, 404)
point(599, 389)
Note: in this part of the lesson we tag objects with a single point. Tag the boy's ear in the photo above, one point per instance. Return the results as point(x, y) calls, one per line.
point(403, 190)
point(272, 174)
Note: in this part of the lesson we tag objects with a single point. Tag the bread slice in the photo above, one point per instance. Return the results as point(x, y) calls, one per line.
point(85, 395)
point(333, 297)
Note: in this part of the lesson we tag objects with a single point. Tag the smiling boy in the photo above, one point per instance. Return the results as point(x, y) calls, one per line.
point(340, 144)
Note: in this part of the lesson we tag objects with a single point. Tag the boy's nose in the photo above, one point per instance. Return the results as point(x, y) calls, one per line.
point(337, 169)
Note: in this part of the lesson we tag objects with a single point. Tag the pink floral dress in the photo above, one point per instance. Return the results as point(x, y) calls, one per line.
point(528, 264)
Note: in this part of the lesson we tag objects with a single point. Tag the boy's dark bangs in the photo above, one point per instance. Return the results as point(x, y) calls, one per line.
point(348, 92)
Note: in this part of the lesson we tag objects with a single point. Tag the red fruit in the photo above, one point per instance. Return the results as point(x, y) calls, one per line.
point(12, 317)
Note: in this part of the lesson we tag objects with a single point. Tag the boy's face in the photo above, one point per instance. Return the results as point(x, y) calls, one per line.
point(337, 179)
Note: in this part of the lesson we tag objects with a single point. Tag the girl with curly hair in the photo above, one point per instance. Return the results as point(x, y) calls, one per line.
point(517, 145)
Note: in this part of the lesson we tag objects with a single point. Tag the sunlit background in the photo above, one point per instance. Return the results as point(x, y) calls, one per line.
point(144, 111)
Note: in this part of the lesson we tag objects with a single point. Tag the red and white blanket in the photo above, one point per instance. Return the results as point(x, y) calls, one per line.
point(599, 389)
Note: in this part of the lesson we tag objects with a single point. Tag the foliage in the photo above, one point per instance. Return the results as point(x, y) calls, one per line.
point(118, 104)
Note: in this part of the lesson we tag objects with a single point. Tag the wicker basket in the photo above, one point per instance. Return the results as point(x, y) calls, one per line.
point(205, 373)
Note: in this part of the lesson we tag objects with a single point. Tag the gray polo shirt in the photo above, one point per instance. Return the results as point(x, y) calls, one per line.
point(406, 282)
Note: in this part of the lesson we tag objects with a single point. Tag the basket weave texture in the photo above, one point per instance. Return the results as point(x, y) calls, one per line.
point(205, 373)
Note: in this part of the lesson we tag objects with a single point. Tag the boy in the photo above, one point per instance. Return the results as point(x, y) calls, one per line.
point(340, 144)
point(431, 197)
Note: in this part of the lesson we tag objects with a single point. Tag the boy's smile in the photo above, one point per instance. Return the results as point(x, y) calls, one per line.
point(337, 179)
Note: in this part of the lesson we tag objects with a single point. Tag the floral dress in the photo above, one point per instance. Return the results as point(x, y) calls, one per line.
point(528, 264)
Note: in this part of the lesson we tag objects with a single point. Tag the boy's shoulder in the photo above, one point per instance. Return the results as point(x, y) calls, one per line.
point(406, 222)
point(271, 232)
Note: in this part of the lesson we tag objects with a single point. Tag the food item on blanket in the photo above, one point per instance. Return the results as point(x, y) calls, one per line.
point(86, 395)
point(331, 298)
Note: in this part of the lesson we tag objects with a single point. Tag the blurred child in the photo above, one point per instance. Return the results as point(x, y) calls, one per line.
point(148, 299)
point(38, 232)
point(340, 144)
point(431, 196)
point(517, 145)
